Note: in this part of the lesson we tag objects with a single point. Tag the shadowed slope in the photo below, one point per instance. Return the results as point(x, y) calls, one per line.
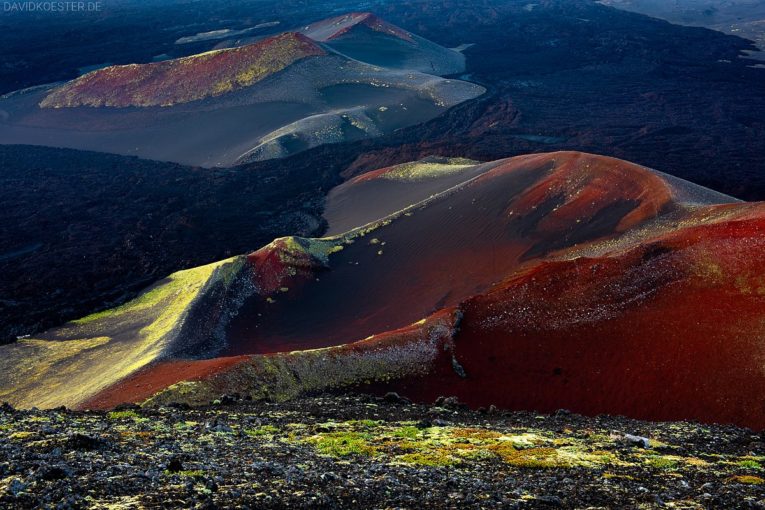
point(670, 328)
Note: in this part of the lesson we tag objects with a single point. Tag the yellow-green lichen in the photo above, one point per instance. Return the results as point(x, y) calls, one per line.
point(747, 480)
point(195, 473)
point(667, 462)
point(749, 464)
point(422, 170)
point(265, 430)
point(404, 443)
point(122, 415)
point(342, 444)
point(85, 356)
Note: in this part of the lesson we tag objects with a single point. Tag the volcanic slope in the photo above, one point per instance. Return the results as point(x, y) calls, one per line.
point(269, 99)
point(364, 36)
point(548, 281)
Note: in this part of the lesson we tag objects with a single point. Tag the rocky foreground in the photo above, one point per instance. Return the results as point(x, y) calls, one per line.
point(357, 451)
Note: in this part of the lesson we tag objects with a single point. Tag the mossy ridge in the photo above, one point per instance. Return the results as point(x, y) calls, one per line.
point(167, 293)
point(282, 376)
point(72, 359)
point(296, 250)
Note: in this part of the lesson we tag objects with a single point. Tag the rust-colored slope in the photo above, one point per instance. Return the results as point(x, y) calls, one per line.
point(548, 281)
point(185, 79)
point(453, 246)
point(671, 329)
point(156, 377)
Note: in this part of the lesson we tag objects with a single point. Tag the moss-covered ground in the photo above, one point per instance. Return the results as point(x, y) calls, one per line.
point(360, 451)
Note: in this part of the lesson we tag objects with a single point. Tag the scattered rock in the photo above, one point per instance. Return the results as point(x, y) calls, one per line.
point(329, 476)
point(551, 501)
point(175, 465)
point(218, 425)
point(55, 473)
point(634, 441)
point(271, 468)
point(395, 398)
point(16, 487)
point(450, 403)
point(127, 407)
point(79, 441)
point(345, 451)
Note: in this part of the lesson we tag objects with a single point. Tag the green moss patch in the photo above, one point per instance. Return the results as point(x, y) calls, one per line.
point(342, 444)
point(405, 443)
point(749, 464)
point(265, 430)
point(123, 415)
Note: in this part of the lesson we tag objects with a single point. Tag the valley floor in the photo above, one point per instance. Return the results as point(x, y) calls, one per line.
point(357, 451)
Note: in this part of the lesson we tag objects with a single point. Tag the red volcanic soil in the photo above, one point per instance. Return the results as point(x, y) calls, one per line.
point(573, 281)
point(672, 329)
point(184, 79)
point(455, 247)
point(149, 380)
point(334, 28)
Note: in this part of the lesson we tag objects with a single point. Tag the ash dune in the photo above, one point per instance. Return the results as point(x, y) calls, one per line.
point(269, 99)
point(542, 281)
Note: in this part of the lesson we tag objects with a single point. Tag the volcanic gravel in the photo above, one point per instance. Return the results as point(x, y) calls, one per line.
point(358, 451)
